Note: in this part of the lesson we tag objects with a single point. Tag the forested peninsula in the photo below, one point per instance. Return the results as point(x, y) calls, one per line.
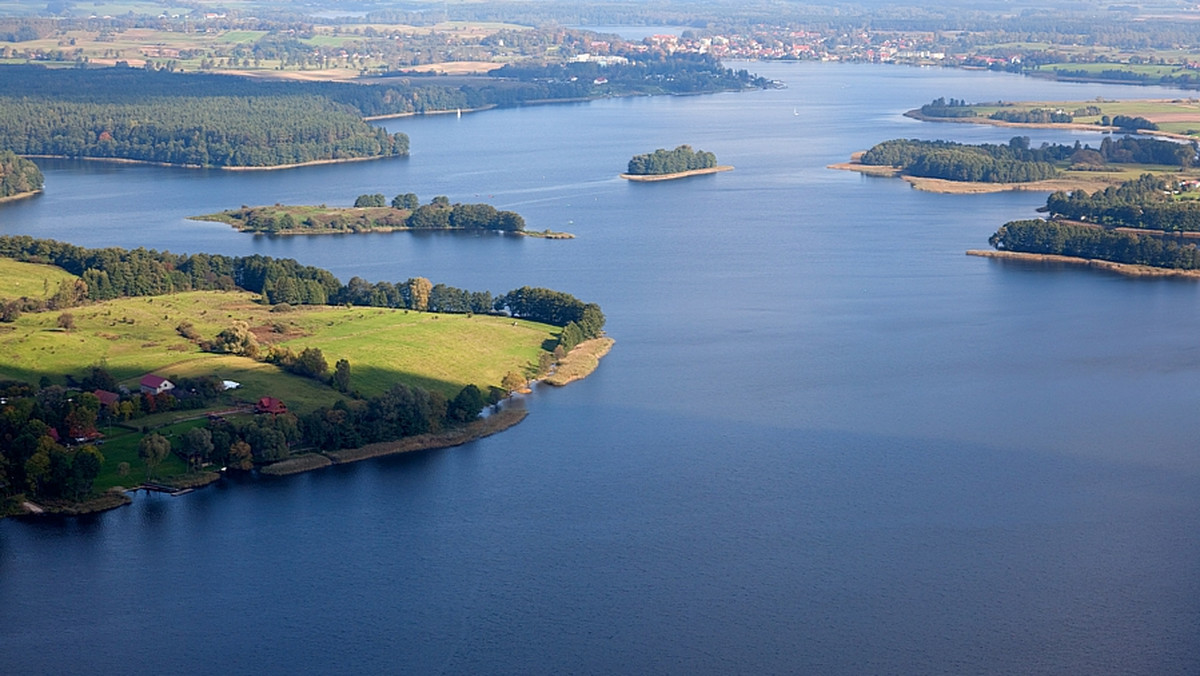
point(181, 365)
point(1149, 222)
point(225, 121)
point(373, 213)
point(1017, 165)
point(19, 177)
point(663, 164)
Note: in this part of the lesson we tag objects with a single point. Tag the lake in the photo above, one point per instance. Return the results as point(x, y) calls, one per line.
point(826, 441)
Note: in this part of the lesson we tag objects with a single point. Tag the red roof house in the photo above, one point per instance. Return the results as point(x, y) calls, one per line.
point(270, 405)
point(153, 384)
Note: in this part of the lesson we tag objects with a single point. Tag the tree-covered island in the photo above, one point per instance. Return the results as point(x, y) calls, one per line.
point(663, 164)
point(127, 368)
point(374, 213)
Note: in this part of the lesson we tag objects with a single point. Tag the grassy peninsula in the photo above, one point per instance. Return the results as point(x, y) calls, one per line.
point(239, 378)
point(1177, 118)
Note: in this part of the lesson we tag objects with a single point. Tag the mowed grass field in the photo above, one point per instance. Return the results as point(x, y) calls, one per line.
point(135, 336)
point(29, 280)
point(1178, 116)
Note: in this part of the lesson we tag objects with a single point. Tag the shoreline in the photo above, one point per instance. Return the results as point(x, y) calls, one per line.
point(1125, 269)
point(580, 362)
point(396, 116)
point(1097, 180)
point(125, 160)
point(650, 178)
point(22, 195)
point(536, 234)
point(1071, 126)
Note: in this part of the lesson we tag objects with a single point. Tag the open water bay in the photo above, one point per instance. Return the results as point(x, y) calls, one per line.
point(825, 442)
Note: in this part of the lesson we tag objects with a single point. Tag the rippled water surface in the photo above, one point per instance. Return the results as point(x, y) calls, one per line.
point(826, 441)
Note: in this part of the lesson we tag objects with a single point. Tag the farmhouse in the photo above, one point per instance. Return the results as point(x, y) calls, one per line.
point(270, 405)
point(152, 384)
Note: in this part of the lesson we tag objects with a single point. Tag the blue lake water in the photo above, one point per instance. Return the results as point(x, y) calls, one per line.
point(826, 441)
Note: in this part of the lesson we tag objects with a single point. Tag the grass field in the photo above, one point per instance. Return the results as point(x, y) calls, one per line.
point(1177, 116)
point(136, 336)
point(29, 280)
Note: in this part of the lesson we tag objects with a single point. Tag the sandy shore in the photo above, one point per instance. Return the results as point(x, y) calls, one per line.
point(1119, 268)
point(649, 178)
point(20, 196)
point(580, 361)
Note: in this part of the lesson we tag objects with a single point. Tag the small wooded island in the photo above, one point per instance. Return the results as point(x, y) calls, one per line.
point(665, 165)
point(139, 368)
point(373, 213)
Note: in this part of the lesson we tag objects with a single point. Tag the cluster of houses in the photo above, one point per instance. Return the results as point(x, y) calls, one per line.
point(153, 385)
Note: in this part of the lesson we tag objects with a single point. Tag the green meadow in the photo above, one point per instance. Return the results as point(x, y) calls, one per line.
point(28, 280)
point(135, 336)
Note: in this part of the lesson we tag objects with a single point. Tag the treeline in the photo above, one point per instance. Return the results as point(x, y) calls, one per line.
point(663, 161)
point(1130, 122)
point(987, 163)
point(114, 272)
point(210, 131)
point(18, 175)
point(371, 212)
point(953, 108)
point(1017, 161)
point(1032, 116)
point(580, 321)
point(1182, 79)
point(1086, 241)
point(1145, 202)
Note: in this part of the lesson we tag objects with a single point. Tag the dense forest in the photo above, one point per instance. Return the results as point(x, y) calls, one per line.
point(1017, 161)
point(1089, 241)
point(1147, 202)
point(225, 121)
point(987, 163)
point(18, 175)
point(663, 161)
point(215, 131)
